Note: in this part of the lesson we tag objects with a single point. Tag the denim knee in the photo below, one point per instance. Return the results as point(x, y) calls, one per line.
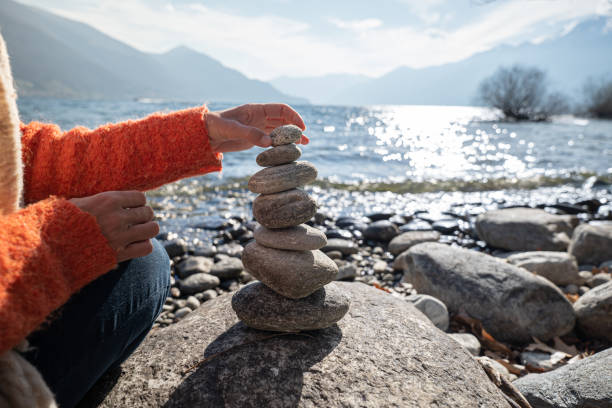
point(153, 272)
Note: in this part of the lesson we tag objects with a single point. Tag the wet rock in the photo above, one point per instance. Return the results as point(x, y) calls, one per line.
point(299, 238)
point(175, 248)
point(468, 341)
point(381, 231)
point(346, 272)
point(228, 268)
point(193, 264)
point(279, 155)
point(406, 240)
point(416, 225)
point(282, 210)
point(558, 267)
point(339, 233)
point(261, 308)
point(294, 274)
point(598, 279)
point(282, 178)
point(433, 308)
point(585, 383)
point(213, 222)
point(285, 135)
point(446, 226)
point(345, 246)
point(364, 360)
point(594, 312)
point(513, 304)
point(525, 229)
point(198, 282)
point(592, 243)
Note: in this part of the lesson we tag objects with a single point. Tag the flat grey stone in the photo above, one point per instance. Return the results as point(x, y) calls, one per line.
point(594, 312)
point(198, 282)
point(279, 155)
point(299, 238)
point(282, 178)
point(383, 352)
point(468, 341)
point(513, 304)
point(404, 241)
point(347, 271)
point(282, 210)
point(261, 308)
point(193, 264)
point(592, 244)
point(598, 279)
point(525, 229)
point(344, 246)
point(228, 268)
point(294, 274)
point(433, 308)
point(583, 384)
point(560, 268)
point(283, 135)
point(381, 231)
point(545, 361)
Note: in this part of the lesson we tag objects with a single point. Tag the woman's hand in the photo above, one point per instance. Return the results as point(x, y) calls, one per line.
point(124, 219)
point(245, 126)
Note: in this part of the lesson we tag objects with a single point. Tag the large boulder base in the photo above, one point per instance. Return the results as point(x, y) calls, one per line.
point(383, 352)
point(513, 304)
point(594, 312)
point(592, 244)
point(583, 384)
point(525, 229)
point(560, 268)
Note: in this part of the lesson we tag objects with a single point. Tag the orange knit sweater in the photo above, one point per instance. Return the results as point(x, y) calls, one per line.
point(51, 249)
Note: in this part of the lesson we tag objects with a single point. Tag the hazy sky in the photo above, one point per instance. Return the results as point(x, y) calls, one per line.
point(269, 38)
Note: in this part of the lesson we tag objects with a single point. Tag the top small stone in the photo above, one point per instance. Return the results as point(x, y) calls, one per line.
point(286, 134)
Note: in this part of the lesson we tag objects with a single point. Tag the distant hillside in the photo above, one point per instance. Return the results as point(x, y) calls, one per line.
point(569, 60)
point(56, 57)
point(323, 89)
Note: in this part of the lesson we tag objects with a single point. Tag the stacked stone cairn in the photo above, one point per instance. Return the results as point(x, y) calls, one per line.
point(294, 292)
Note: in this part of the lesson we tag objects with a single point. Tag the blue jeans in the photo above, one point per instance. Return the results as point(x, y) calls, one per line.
point(100, 326)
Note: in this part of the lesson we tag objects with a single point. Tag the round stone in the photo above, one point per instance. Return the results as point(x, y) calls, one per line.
point(281, 178)
point(285, 209)
point(198, 282)
point(261, 308)
point(286, 134)
point(294, 274)
point(299, 238)
point(279, 155)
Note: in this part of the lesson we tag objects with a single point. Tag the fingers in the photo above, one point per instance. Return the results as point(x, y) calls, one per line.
point(135, 250)
point(230, 130)
point(141, 232)
point(130, 199)
point(138, 215)
point(285, 114)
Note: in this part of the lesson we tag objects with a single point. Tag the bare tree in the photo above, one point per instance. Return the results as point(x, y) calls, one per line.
point(598, 95)
point(521, 94)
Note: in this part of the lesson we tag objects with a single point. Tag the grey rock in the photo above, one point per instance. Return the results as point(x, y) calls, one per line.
point(282, 210)
point(208, 294)
point(400, 360)
point(175, 248)
point(606, 265)
point(279, 155)
point(542, 360)
point(468, 341)
point(594, 312)
point(228, 268)
point(299, 238)
point(282, 178)
point(560, 268)
point(583, 384)
point(525, 229)
point(408, 239)
point(193, 303)
point(585, 276)
point(345, 246)
point(592, 244)
point(261, 308)
point(598, 279)
point(347, 271)
point(484, 360)
point(193, 264)
point(571, 288)
point(513, 304)
point(382, 231)
point(294, 274)
point(416, 225)
point(283, 135)
point(433, 308)
point(334, 254)
point(198, 282)
point(182, 312)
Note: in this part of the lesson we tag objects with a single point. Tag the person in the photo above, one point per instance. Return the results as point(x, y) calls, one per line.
point(82, 278)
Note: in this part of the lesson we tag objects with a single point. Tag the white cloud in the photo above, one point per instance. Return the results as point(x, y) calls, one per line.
point(268, 45)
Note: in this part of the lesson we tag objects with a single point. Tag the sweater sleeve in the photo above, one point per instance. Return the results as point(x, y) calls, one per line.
point(49, 250)
point(132, 155)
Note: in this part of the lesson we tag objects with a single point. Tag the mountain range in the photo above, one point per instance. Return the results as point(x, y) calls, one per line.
point(53, 56)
